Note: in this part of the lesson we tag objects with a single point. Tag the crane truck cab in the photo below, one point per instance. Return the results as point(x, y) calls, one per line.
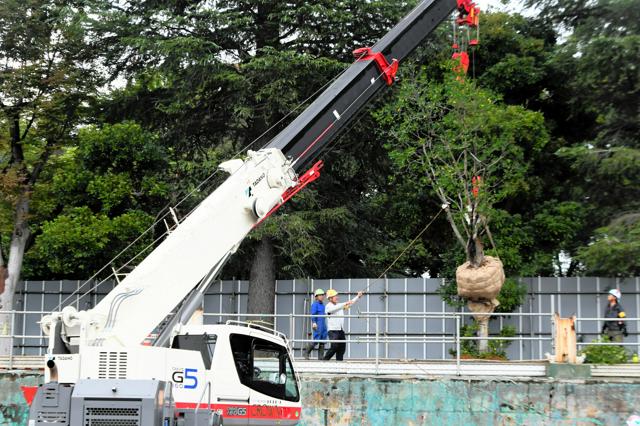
point(233, 374)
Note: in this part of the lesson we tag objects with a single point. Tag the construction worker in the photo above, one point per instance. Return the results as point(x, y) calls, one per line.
point(614, 329)
point(335, 320)
point(318, 324)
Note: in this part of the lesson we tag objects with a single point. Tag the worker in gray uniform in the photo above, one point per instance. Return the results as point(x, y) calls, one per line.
point(614, 328)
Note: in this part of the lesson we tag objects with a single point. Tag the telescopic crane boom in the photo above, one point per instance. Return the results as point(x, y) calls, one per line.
point(375, 68)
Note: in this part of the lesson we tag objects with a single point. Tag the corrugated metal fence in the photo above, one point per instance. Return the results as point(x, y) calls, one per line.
point(583, 296)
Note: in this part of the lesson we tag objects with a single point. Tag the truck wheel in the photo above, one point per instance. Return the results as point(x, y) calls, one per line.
point(217, 420)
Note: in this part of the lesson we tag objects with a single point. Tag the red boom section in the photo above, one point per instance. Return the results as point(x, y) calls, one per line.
point(389, 70)
point(309, 176)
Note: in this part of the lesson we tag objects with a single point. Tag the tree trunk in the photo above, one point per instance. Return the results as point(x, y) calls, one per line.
point(267, 28)
point(262, 282)
point(482, 314)
point(483, 333)
point(475, 251)
point(19, 240)
point(3, 271)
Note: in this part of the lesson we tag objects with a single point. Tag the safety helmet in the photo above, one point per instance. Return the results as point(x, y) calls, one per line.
point(319, 292)
point(331, 292)
point(616, 293)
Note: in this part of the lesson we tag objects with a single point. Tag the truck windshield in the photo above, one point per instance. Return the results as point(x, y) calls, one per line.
point(203, 343)
point(265, 367)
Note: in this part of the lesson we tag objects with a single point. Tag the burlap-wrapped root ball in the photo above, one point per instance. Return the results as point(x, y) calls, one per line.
point(481, 283)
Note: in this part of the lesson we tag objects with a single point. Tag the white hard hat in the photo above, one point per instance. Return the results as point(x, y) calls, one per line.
point(616, 293)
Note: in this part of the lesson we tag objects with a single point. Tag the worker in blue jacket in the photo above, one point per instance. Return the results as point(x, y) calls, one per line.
point(319, 325)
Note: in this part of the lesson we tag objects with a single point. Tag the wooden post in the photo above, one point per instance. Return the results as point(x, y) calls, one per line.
point(566, 346)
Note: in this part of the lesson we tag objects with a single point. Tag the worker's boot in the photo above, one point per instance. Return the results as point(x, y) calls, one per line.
point(320, 351)
point(307, 351)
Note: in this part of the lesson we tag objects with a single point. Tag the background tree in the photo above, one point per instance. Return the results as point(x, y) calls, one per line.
point(47, 78)
point(98, 201)
point(199, 81)
point(599, 139)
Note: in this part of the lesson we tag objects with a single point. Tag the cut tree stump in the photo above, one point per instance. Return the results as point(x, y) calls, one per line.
point(565, 339)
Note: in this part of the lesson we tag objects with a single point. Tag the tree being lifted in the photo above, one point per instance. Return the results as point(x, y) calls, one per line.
point(463, 175)
point(480, 278)
point(468, 149)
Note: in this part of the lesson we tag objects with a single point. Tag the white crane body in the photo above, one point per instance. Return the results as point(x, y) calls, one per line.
point(129, 313)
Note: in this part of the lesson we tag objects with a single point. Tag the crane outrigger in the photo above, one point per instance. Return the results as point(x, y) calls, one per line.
point(97, 370)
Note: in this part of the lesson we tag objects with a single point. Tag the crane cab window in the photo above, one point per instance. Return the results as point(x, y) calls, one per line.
point(203, 343)
point(265, 367)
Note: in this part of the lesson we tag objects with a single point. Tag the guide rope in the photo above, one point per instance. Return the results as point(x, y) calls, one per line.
point(417, 237)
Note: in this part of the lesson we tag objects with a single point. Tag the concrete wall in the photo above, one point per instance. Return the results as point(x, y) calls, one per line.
point(467, 402)
point(386, 402)
point(13, 408)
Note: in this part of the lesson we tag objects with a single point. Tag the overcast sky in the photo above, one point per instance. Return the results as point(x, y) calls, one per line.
point(512, 6)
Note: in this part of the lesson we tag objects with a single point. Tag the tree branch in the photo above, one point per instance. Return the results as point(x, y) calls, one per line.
point(42, 161)
point(3, 269)
point(450, 218)
point(28, 126)
point(17, 154)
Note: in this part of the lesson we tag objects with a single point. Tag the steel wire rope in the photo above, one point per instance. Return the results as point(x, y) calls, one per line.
point(197, 188)
point(444, 207)
point(141, 252)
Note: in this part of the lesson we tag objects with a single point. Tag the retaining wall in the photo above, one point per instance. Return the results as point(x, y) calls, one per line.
point(13, 407)
point(376, 401)
point(467, 402)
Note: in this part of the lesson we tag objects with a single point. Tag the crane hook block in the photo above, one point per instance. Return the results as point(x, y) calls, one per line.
point(463, 59)
point(468, 14)
point(389, 70)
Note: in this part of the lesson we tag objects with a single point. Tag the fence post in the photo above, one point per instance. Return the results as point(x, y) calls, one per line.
point(457, 345)
point(293, 333)
point(377, 342)
point(293, 336)
point(553, 334)
point(13, 327)
point(368, 334)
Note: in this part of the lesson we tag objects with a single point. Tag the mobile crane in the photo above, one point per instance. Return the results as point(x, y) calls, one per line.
point(97, 370)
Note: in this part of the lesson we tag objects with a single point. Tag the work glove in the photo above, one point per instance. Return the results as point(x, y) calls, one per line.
point(314, 326)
